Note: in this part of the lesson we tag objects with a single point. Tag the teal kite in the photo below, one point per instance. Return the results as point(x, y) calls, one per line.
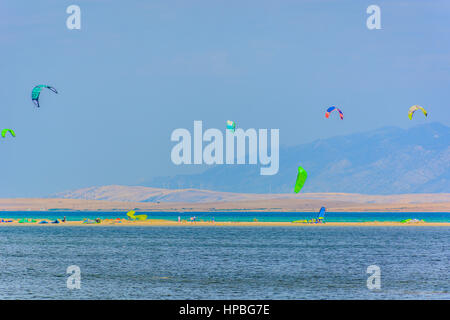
point(37, 92)
point(231, 125)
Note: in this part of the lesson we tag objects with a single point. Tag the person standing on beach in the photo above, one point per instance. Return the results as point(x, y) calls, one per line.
point(179, 219)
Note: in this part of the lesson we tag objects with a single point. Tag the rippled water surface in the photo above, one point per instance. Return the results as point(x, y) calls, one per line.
point(224, 262)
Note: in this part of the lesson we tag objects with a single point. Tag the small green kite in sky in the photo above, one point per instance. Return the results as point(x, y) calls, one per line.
point(4, 131)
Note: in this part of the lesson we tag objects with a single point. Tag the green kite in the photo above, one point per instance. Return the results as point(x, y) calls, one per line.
point(301, 178)
point(5, 131)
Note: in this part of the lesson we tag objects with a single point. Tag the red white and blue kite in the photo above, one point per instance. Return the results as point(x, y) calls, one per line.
point(330, 109)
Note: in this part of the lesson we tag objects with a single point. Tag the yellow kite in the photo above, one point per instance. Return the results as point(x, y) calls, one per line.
point(414, 109)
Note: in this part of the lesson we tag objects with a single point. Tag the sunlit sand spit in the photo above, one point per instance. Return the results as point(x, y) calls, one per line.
point(160, 223)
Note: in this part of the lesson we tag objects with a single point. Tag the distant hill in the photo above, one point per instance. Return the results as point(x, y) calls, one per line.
point(146, 194)
point(154, 198)
point(385, 161)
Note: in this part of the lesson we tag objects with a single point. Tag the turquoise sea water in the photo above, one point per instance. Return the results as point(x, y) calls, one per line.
point(225, 262)
point(237, 216)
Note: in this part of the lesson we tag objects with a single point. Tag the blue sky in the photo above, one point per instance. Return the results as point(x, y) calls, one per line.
point(137, 70)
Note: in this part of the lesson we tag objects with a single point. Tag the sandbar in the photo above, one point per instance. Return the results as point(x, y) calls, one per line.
point(160, 223)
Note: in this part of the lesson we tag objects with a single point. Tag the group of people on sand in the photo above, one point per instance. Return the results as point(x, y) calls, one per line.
point(30, 220)
point(46, 221)
point(193, 220)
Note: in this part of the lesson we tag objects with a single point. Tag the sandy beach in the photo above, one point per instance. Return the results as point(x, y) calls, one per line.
point(334, 202)
point(161, 223)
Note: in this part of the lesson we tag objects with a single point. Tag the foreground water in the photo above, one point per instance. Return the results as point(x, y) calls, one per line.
point(225, 262)
point(236, 216)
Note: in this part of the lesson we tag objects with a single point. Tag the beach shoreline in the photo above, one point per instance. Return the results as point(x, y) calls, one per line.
point(169, 223)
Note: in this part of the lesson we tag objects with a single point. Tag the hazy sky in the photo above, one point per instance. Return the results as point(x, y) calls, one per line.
point(137, 70)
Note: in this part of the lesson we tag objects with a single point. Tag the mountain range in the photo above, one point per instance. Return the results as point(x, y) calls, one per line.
point(176, 197)
point(388, 160)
